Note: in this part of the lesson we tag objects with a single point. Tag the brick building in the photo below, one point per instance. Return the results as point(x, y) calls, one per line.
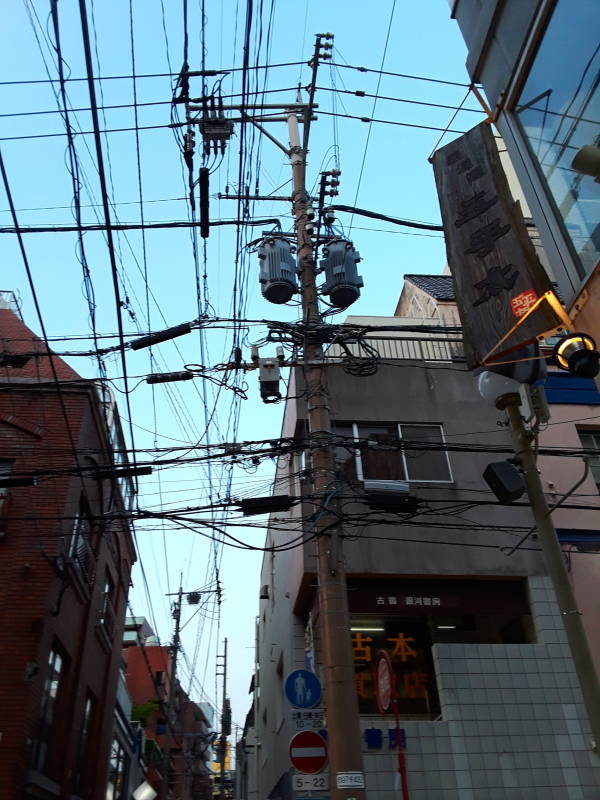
point(148, 677)
point(64, 572)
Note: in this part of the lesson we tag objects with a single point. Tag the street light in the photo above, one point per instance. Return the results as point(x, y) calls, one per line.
point(577, 354)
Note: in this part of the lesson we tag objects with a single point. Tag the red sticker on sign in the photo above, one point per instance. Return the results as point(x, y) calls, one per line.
point(521, 304)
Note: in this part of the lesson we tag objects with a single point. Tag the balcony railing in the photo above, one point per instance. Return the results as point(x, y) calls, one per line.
point(391, 348)
point(83, 558)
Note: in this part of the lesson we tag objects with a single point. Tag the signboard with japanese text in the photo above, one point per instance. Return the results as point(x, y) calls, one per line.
point(504, 297)
point(307, 719)
point(411, 597)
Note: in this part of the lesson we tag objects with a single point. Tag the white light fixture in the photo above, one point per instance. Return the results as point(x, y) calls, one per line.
point(446, 627)
point(491, 386)
point(370, 630)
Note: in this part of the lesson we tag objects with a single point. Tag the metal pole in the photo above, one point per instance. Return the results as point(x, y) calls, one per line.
point(223, 742)
point(172, 685)
point(555, 564)
point(343, 721)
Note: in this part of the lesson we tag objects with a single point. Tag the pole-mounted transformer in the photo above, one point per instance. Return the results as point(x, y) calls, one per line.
point(277, 277)
point(342, 281)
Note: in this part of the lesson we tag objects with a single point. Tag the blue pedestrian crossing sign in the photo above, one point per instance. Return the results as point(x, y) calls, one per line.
point(303, 688)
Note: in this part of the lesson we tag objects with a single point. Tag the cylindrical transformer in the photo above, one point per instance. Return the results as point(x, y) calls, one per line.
point(342, 281)
point(277, 270)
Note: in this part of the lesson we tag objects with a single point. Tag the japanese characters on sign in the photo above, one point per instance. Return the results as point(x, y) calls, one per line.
point(312, 719)
point(408, 648)
point(407, 600)
point(504, 297)
point(374, 738)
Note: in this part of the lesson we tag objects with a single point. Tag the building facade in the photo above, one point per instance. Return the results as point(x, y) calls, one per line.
point(65, 572)
point(488, 698)
point(539, 65)
point(171, 725)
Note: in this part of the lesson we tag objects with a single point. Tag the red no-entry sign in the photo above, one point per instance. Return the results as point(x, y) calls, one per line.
point(308, 752)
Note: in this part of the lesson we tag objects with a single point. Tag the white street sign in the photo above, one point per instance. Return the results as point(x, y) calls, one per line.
point(307, 719)
point(307, 783)
point(350, 780)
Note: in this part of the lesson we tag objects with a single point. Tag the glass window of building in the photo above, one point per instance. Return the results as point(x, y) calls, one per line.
point(83, 751)
point(559, 114)
point(379, 454)
point(50, 697)
point(117, 776)
point(407, 617)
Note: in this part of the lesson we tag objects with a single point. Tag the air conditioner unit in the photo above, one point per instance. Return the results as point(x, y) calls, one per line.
point(394, 487)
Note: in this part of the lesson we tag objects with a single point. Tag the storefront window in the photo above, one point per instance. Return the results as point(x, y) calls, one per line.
point(406, 617)
point(408, 643)
point(559, 113)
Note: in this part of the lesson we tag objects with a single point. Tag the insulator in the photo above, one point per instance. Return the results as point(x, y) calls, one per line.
point(342, 281)
point(277, 271)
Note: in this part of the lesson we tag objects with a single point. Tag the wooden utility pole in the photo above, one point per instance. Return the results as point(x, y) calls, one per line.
point(343, 720)
point(170, 705)
point(555, 563)
point(223, 739)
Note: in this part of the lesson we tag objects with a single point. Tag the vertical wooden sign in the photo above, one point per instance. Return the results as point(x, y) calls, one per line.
point(504, 296)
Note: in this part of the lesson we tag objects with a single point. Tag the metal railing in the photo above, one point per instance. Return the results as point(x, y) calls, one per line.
point(83, 558)
point(403, 348)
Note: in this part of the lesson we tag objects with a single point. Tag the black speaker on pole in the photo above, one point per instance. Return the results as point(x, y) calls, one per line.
point(505, 481)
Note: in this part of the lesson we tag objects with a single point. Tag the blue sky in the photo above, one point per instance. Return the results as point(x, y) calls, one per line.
point(384, 168)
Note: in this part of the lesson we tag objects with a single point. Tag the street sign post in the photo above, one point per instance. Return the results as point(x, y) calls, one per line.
point(308, 752)
point(303, 688)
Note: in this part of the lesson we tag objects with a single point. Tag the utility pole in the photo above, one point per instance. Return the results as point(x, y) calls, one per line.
point(224, 726)
point(170, 705)
point(343, 721)
point(555, 564)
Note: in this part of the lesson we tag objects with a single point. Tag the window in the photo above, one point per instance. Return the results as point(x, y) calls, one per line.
point(107, 614)
point(84, 745)
point(81, 544)
point(408, 642)
point(5, 470)
point(117, 775)
point(392, 452)
point(407, 616)
point(590, 440)
point(51, 694)
point(124, 483)
point(558, 114)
